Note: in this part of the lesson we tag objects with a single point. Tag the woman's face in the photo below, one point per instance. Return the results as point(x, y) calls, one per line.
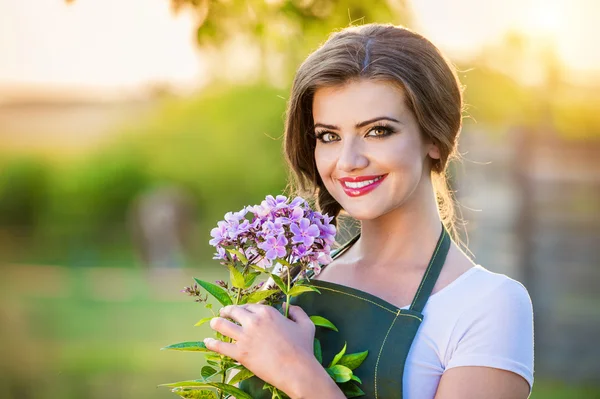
point(369, 151)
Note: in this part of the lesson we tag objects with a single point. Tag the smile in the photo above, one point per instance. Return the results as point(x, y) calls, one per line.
point(358, 188)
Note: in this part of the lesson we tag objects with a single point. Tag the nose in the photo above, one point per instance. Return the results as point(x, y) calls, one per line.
point(352, 156)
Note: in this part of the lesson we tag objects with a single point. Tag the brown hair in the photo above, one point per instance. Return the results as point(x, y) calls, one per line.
point(384, 53)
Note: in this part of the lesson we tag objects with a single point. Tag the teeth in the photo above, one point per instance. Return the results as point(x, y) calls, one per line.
point(361, 184)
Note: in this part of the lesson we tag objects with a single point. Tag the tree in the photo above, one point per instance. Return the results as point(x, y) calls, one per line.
point(287, 29)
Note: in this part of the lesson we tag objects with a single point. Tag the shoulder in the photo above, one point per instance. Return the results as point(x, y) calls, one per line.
point(480, 287)
point(479, 290)
point(491, 304)
point(495, 327)
point(499, 290)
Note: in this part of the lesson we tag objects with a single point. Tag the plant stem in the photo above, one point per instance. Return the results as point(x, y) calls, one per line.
point(224, 378)
point(287, 296)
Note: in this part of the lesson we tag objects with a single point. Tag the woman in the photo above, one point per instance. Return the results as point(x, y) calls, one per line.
point(373, 119)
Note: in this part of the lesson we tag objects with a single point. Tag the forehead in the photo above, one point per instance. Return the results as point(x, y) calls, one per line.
point(357, 101)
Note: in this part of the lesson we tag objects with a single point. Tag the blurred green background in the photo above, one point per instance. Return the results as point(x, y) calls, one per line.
point(128, 129)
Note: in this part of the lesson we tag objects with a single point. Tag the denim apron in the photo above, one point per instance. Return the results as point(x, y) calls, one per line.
point(367, 322)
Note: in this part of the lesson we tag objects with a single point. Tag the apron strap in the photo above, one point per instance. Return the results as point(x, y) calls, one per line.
point(433, 271)
point(337, 252)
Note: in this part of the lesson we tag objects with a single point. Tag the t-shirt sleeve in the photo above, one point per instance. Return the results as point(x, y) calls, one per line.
point(496, 331)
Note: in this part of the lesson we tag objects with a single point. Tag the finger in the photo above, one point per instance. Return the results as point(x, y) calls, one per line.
point(257, 308)
point(226, 328)
point(237, 313)
point(297, 314)
point(224, 348)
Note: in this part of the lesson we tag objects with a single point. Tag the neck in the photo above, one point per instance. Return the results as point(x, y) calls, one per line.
point(404, 237)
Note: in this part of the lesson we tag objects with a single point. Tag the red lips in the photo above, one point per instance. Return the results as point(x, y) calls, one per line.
point(358, 191)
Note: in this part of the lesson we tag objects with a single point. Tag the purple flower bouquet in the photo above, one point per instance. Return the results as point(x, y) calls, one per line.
point(276, 239)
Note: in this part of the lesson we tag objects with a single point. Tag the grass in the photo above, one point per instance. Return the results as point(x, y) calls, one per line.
point(97, 336)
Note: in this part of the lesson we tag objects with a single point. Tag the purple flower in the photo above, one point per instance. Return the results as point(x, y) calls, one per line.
point(261, 211)
point(233, 229)
point(327, 232)
point(274, 247)
point(221, 254)
point(218, 233)
point(235, 216)
point(304, 232)
point(301, 251)
point(274, 228)
point(324, 258)
point(316, 268)
point(296, 214)
point(297, 202)
point(277, 203)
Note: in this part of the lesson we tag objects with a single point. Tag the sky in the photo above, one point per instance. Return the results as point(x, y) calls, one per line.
point(123, 44)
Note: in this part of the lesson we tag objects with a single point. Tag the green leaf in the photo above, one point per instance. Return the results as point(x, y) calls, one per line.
point(317, 350)
point(236, 277)
point(351, 390)
point(204, 320)
point(260, 295)
point(337, 357)
point(194, 346)
point(323, 322)
point(194, 393)
point(340, 373)
point(219, 293)
point(207, 372)
point(259, 269)
point(279, 282)
point(355, 378)
point(213, 357)
point(250, 279)
point(230, 389)
point(353, 360)
point(242, 375)
point(300, 289)
point(238, 254)
point(189, 383)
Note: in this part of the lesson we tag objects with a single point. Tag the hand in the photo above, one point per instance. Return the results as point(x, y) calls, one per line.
point(274, 348)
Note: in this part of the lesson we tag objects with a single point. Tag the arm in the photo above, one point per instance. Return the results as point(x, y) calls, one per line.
point(481, 382)
point(491, 348)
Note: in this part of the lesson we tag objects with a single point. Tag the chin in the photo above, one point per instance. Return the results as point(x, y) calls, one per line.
point(366, 212)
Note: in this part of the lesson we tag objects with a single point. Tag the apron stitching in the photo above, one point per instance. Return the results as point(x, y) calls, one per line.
point(381, 350)
point(356, 296)
point(428, 269)
point(397, 313)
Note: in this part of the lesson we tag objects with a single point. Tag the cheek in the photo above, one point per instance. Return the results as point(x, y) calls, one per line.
point(324, 162)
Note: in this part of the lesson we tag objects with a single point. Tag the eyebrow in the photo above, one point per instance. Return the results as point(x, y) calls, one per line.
point(359, 125)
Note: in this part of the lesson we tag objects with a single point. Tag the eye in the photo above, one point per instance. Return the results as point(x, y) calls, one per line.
point(380, 131)
point(326, 137)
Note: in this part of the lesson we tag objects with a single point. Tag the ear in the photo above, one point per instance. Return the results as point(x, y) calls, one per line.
point(434, 151)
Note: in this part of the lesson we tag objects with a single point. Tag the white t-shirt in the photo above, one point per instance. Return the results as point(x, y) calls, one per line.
point(480, 319)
